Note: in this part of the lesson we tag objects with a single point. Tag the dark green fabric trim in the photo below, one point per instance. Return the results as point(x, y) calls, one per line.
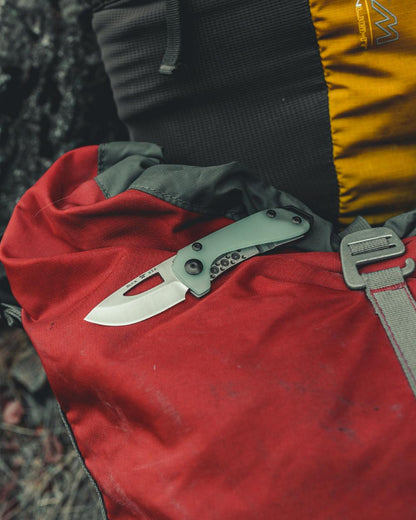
point(120, 163)
point(404, 225)
point(226, 190)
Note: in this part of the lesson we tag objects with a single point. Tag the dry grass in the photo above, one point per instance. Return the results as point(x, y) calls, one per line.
point(41, 476)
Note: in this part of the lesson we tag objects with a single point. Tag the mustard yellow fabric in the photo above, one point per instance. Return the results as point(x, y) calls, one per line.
point(368, 52)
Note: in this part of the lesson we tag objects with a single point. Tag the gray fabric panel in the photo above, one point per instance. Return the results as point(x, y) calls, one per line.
point(119, 162)
point(359, 224)
point(224, 190)
point(404, 225)
point(227, 190)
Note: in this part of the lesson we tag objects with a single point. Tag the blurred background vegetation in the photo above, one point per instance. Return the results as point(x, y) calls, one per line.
point(54, 97)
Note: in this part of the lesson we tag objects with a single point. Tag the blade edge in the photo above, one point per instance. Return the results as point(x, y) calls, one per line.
point(134, 309)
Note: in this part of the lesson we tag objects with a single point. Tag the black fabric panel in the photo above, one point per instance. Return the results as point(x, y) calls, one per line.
point(252, 89)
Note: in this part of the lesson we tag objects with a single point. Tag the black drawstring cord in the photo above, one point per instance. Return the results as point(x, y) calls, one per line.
point(171, 59)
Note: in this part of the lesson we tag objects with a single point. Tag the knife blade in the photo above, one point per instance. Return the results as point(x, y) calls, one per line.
point(195, 266)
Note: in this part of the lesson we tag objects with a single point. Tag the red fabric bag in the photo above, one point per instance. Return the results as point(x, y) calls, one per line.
point(277, 395)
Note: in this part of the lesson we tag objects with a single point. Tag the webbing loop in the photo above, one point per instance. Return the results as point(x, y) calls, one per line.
point(386, 289)
point(366, 247)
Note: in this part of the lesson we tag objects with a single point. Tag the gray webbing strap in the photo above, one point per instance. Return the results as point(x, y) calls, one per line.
point(396, 308)
point(386, 289)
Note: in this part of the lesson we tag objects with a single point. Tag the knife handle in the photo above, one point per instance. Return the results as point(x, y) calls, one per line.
point(192, 264)
point(229, 260)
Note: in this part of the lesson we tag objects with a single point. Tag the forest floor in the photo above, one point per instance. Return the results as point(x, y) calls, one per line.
point(54, 97)
point(41, 474)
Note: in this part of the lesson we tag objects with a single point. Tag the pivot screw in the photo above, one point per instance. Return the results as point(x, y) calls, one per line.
point(194, 266)
point(271, 213)
point(297, 220)
point(197, 246)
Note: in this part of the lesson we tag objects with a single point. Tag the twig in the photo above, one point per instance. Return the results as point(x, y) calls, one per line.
point(5, 468)
point(72, 494)
point(47, 478)
point(11, 514)
point(18, 429)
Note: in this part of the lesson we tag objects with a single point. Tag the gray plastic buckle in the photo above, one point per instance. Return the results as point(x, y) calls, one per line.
point(369, 246)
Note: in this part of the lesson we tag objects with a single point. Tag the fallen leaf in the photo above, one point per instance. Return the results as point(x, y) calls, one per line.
point(13, 412)
point(53, 449)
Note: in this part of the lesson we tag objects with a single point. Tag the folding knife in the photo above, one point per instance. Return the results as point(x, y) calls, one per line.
point(195, 266)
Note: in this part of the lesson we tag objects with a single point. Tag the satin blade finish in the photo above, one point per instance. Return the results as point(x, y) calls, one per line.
point(120, 309)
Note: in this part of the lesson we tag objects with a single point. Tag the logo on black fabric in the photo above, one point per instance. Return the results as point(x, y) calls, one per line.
point(376, 24)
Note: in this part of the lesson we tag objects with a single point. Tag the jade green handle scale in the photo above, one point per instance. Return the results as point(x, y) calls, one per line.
point(274, 227)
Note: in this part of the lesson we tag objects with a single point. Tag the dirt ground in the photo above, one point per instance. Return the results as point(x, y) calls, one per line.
point(54, 97)
point(41, 475)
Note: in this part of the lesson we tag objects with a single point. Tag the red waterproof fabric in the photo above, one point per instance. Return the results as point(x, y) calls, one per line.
point(278, 395)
